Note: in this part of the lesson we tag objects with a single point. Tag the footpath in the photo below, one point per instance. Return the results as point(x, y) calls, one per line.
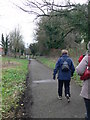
point(44, 103)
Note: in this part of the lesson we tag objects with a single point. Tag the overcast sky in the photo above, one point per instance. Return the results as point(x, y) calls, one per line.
point(11, 17)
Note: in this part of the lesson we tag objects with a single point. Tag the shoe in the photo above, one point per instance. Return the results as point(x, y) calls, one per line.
point(60, 97)
point(86, 116)
point(68, 98)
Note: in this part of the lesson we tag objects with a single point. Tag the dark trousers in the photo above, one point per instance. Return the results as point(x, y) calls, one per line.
point(66, 87)
point(87, 104)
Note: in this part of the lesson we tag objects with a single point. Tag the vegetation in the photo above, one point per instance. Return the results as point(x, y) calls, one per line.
point(14, 73)
point(14, 45)
point(61, 28)
point(47, 61)
point(60, 25)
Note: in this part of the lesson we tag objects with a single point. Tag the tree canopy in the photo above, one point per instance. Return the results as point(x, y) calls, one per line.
point(55, 32)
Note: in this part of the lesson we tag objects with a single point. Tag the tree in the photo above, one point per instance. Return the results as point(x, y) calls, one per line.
point(73, 20)
point(79, 20)
point(33, 48)
point(45, 7)
point(5, 44)
point(16, 43)
point(89, 21)
point(75, 13)
point(52, 32)
point(49, 33)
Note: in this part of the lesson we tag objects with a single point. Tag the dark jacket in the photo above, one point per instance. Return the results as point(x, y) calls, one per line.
point(64, 75)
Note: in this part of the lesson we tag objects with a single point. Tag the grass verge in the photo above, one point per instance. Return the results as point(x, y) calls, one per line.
point(14, 73)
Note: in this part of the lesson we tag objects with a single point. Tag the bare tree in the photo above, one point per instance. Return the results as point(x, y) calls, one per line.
point(16, 42)
point(45, 7)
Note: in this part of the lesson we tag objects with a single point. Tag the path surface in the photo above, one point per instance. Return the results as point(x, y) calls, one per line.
point(44, 96)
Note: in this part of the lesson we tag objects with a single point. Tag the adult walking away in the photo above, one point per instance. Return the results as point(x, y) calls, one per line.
point(65, 69)
point(85, 92)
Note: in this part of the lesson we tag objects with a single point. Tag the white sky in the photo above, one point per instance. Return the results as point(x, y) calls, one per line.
point(11, 17)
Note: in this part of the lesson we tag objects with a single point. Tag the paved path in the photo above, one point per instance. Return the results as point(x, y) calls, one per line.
point(44, 96)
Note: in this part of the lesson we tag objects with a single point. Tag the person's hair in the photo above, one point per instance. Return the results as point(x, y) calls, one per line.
point(64, 51)
point(88, 46)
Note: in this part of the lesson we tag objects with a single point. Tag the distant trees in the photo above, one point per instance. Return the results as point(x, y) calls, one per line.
point(5, 43)
point(33, 48)
point(13, 43)
point(17, 45)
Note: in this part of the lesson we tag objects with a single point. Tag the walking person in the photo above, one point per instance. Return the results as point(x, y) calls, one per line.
point(85, 92)
point(65, 69)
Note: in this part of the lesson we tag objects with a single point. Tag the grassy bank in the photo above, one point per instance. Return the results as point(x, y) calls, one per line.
point(50, 62)
point(47, 61)
point(14, 73)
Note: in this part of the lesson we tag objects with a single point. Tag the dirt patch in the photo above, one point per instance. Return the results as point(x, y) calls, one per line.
point(9, 64)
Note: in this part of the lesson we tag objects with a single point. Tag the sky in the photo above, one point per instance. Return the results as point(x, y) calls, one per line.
point(12, 17)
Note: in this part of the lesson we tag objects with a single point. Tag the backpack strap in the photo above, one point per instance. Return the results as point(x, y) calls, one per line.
point(65, 59)
point(89, 60)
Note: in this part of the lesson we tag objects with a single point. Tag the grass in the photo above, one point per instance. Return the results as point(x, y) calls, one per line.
point(47, 61)
point(50, 62)
point(14, 73)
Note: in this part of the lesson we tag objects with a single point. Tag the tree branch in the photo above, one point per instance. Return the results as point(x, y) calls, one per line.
point(68, 32)
point(45, 7)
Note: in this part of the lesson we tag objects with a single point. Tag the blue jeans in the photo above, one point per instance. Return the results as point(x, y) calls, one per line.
point(66, 86)
point(87, 104)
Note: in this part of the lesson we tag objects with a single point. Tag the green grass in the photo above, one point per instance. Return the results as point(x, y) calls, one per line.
point(47, 61)
point(76, 78)
point(51, 64)
point(13, 82)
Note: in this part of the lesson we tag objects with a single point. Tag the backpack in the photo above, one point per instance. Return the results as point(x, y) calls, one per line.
point(86, 74)
point(65, 66)
point(80, 58)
